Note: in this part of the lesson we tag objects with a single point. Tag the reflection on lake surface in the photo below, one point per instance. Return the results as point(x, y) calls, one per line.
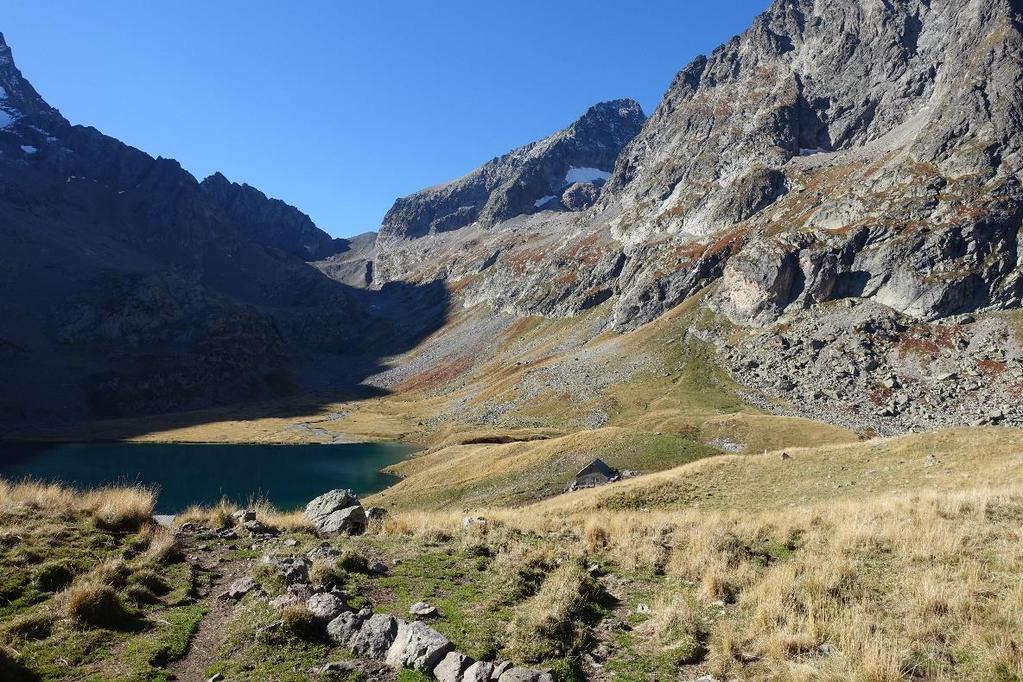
point(287, 476)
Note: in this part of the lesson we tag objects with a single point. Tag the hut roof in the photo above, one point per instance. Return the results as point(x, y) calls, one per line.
point(598, 466)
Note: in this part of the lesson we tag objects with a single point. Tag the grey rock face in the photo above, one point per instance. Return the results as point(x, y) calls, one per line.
point(375, 637)
point(418, 646)
point(833, 150)
point(519, 181)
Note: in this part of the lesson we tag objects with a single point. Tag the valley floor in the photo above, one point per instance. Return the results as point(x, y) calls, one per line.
point(747, 545)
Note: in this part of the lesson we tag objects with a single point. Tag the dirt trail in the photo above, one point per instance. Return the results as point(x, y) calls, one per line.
point(203, 647)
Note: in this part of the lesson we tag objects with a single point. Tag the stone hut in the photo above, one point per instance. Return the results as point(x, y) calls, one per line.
point(597, 472)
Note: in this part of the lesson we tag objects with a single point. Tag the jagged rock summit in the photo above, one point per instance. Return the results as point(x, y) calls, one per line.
point(271, 221)
point(527, 180)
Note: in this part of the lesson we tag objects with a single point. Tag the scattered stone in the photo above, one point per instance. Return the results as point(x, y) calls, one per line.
point(293, 569)
point(500, 668)
point(931, 461)
point(290, 542)
point(378, 568)
point(785, 456)
point(423, 610)
point(239, 588)
point(642, 608)
point(323, 551)
point(243, 515)
point(325, 606)
point(259, 528)
point(215, 678)
point(526, 675)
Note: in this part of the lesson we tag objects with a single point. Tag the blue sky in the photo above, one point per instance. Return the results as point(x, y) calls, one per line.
point(340, 107)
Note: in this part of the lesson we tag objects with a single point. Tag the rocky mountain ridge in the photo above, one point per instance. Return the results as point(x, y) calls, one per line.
point(127, 289)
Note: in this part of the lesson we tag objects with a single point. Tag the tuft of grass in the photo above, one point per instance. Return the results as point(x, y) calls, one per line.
point(95, 604)
point(120, 509)
point(327, 573)
point(300, 622)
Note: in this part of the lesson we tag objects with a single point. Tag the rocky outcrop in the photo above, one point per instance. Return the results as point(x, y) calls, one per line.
point(526, 180)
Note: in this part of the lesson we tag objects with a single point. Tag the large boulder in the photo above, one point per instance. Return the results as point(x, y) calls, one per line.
point(338, 511)
point(368, 637)
point(418, 646)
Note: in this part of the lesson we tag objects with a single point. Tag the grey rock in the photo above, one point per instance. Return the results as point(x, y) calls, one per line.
point(243, 515)
point(525, 675)
point(337, 511)
point(480, 671)
point(417, 646)
point(326, 606)
point(423, 610)
point(375, 637)
point(344, 627)
point(239, 588)
point(452, 667)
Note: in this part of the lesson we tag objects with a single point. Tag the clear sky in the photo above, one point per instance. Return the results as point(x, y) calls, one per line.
point(339, 107)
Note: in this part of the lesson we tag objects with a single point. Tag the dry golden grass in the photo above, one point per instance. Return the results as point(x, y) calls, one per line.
point(546, 626)
point(221, 516)
point(113, 508)
point(912, 573)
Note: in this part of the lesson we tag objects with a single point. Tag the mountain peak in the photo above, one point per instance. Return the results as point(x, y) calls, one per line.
point(17, 96)
point(562, 171)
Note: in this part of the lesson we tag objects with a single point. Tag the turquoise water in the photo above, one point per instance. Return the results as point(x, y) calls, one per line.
point(287, 476)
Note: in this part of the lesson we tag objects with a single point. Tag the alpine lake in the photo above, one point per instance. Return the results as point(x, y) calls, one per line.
point(286, 476)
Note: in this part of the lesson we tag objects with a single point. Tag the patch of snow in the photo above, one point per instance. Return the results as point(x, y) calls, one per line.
point(803, 151)
point(575, 175)
point(3, 93)
point(6, 119)
point(28, 149)
point(544, 200)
